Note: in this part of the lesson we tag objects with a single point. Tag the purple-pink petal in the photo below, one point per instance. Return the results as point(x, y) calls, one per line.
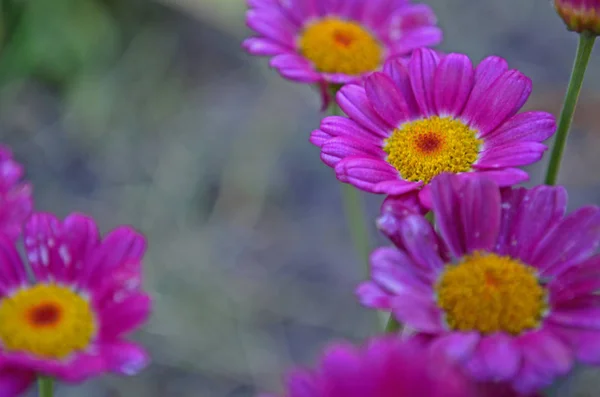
point(12, 271)
point(453, 82)
point(457, 346)
point(339, 148)
point(337, 126)
point(372, 295)
point(446, 205)
point(523, 127)
point(397, 69)
point(124, 358)
point(15, 381)
point(480, 213)
point(501, 355)
point(502, 99)
point(422, 67)
point(353, 100)
point(504, 177)
point(366, 173)
point(263, 47)
point(417, 312)
point(510, 155)
point(385, 98)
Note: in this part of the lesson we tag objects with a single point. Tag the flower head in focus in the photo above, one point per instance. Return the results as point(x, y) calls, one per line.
point(430, 114)
point(16, 202)
point(70, 323)
point(386, 366)
point(580, 15)
point(505, 285)
point(332, 42)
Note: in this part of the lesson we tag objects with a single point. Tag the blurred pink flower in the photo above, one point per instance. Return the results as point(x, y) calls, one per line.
point(386, 366)
point(71, 323)
point(16, 201)
point(329, 42)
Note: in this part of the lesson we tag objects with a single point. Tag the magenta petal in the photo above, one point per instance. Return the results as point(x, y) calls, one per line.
point(125, 358)
point(12, 269)
point(385, 98)
point(446, 205)
point(505, 177)
point(502, 356)
point(585, 343)
point(530, 380)
point(502, 100)
point(272, 25)
point(587, 318)
point(334, 126)
point(523, 127)
point(412, 17)
point(120, 318)
point(398, 71)
point(480, 209)
point(353, 100)
point(295, 68)
point(372, 295)
point(365, 173)
point(457, 346)
point(453, 83)
point(393, 270)
point(571, 241)
point(261, 46)
point(511, 155)
point(486, 74)
point(422, 68)
point(14, 382)
point(417, 312)
point(396, 187)
point(546, 352)
point(418, 38)
point(337, 149)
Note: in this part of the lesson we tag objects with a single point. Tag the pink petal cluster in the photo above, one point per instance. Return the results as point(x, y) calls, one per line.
point(16, 202)
point(108, 271)
point(486, 98)
point(530, 225)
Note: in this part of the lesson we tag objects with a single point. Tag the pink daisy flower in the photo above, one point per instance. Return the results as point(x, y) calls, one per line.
point(428, 115)
point(506, 284)
point(70, 323)
point(16, 202)
point(336, 41)
point(386, 366)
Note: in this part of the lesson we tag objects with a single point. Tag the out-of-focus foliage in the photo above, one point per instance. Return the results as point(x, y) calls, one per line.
point(57, 40)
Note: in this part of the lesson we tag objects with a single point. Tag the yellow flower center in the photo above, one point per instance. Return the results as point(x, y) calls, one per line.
point(46, 320)
point(490, 293)
point(337, 46)
point(422, 149)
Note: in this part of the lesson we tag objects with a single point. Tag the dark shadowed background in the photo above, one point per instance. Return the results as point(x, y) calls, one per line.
point(149, 113)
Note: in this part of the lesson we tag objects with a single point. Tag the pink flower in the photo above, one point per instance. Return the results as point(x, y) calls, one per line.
point(428, 115)
point(580, 15)
point(16, 202)
point(384, 367)
point(71, 323)
point(505, 284)
point(335, 42)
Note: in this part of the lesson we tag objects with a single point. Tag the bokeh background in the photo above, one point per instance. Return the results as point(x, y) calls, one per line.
point(149, 113)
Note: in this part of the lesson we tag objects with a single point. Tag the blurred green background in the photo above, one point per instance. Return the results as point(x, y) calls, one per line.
point(149, 113)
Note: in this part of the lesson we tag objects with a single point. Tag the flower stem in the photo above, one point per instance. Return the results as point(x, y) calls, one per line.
point(45, 386)
point(355, 215)
point(584, 50)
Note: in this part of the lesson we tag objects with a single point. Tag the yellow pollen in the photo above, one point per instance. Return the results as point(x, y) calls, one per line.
point(337, 46)
point(490, 293)
point(46, 320)
point(422, 149)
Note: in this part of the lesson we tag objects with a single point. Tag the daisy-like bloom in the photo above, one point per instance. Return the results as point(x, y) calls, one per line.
point(428, 115)
point(506, 284)
point(334, 41)
point(70, 323)
point(580, 15)
point(16, 202)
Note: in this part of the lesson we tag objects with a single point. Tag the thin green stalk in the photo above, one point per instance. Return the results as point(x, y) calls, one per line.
point(355, 214)
point(584, 50)
point(45, 386)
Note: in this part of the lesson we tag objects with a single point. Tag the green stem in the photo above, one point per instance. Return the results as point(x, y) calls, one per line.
point(45, 386)
point(584, 50)
point(355, 215)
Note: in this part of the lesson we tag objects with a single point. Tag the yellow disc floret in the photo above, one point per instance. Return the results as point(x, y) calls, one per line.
point(46, 320)
point(422, 149)
point(337, 46)
point(490, 293)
